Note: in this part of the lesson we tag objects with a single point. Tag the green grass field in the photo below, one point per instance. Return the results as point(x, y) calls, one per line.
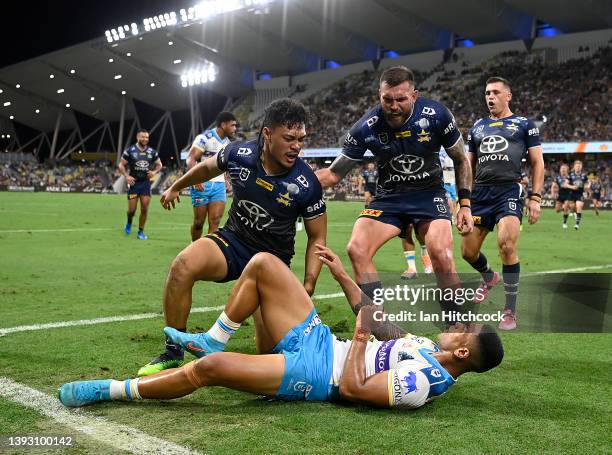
point(65, 257)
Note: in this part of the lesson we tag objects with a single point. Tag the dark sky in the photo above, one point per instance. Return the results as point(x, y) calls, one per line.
point(34, 28)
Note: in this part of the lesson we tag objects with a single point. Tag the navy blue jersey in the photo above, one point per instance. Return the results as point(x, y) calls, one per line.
point(265, 207)
point(561, 180)
point(140, 161)
point(500, 146)
point(595, 188)
point(370, 177)
point(408, 157)
point(579, 180)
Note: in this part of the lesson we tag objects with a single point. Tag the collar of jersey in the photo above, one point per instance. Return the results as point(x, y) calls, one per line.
point(214, 131)
point(501, 119)
point(434, 362)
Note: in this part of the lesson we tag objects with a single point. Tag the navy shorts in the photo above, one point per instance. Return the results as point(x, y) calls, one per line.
point(563, 197)
point(596, 196)
point(491, 203)
point(141, 188)
point(237, 253)
point(370, 188)
point(403, 209)
point(576, 196)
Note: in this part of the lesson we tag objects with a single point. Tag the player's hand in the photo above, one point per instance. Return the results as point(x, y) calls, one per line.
point(130, 180)
point(168, 197)
point(330, 259)
point(534, 211)
point(465, 222)
point(199, 186)
point(150, 174)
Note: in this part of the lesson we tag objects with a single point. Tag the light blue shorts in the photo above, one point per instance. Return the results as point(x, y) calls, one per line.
point(213, 192)
point(309, 355)
point(451, 191)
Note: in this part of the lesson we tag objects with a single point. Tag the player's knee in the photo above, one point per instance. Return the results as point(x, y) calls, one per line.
point(180, 271)
point(261, 261)
point(357, 253)
point(198, 226)
point(131, 212)
point(468, 253)
point(507, 249)
point(441, 258)
point(214, 220)
point(144, 209)
point(204, 370)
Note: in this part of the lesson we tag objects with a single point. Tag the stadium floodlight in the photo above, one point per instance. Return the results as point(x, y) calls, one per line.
point(72, 71)
point(129, 54)
point(60, 90)
point(37, 111)
point(177, 61)
point(7, 104)
point(51, 76)
point(152, 84)
point(118, 76)
point(170, 43)
point(67, 104)
point(123, 92)
point(134, 29)
point(203, 75)
point(1, 91)
point(93, 98)
point(12, 117)
point(110, 60)
point(17, 85)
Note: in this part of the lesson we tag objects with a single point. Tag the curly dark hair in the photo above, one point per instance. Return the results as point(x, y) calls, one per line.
point(286, 112)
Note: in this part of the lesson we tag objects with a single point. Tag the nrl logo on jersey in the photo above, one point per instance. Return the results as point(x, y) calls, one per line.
point(383, 138)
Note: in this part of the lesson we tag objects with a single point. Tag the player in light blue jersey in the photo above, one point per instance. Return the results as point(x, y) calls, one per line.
point(209, 198)
point(302, 360)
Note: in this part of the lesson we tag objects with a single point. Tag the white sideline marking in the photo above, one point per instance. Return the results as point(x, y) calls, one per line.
point(112, 434)
point(133, 317)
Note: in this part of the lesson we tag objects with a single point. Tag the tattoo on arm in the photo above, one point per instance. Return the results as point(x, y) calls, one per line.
point(463, 170)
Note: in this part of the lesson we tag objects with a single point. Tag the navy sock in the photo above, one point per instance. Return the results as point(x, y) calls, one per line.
point(511, 283)
point(565, 218)
point(139, 231)
point(482, 265)
point(578, 218)
point(129, 219)
point(369, 288)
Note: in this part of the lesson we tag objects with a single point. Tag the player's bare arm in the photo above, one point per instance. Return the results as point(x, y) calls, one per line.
point(202, 172)
point(536, 160)
point(195, 154)
point(158, 167)
point(331, 175)
point(464, 179)
point(354, 295)
point(354, 385)
point(122, 168)
point(316, 230)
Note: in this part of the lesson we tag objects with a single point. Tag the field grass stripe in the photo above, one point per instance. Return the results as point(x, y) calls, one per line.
point(81, 322)
point(111, 434)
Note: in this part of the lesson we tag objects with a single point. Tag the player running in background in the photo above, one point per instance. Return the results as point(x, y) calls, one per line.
point(302, 359)
point(370, 177)
point(595, 191)
point(408, 246)
point(577, 182)
point(497, 145)
point(272, 186)
point(405, 133)
point(135, 165)
point(448, 175)
point(209, 198)
point(565, 190)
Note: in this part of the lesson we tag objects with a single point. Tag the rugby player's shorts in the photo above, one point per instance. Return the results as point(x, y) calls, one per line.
point(576, 196)
point(213, 192)
point(309, 354)
point(403, 209)
point(596, 196)
point(491, 203)
point(237, 253)
point(563, 197)
point(451, 191)
point(370, 188)
point(139, 188)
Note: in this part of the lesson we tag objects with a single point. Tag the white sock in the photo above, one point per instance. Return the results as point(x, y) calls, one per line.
point(223, 329)
point(125, 390)
point(409, 255)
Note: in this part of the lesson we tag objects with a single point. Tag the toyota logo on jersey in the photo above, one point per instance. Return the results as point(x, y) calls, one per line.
point(254, 215)
point(493, 144)
point(407, 164)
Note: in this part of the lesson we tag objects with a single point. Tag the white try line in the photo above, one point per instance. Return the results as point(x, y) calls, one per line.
point(119, 436)
point(82, 322)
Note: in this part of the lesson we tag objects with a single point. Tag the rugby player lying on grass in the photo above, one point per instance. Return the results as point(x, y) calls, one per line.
point(304, 360)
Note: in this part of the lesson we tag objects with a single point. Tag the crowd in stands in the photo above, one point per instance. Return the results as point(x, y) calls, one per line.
point(93, 176)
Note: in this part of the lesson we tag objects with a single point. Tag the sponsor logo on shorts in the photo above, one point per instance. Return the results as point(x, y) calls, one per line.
point(512, 205)
point(382, 356)
point(267, 185)
point(315, 321)
point(303, 387)
point(441, 208)
point(409, 382)
point(132, 196)
point(371, 212)
point(477, 219)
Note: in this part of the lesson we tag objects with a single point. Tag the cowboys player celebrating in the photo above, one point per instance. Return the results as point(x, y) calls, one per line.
point(497, 145)
point(272, 186)
point(405, 133)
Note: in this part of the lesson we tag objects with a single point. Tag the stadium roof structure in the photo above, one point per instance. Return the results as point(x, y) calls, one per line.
point(227, 43)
